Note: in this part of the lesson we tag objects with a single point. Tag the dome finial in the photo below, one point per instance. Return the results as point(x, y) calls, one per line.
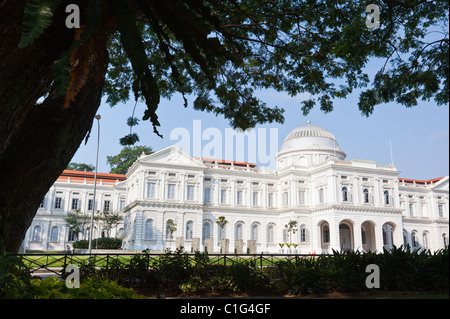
point(308, 122)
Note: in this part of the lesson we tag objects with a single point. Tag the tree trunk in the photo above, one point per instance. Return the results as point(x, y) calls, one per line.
point(37, 141)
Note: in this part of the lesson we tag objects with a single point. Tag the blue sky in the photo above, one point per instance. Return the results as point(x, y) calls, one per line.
point(419, 135)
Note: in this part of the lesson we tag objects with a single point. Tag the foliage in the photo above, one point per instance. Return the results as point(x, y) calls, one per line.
point(128, 155)
point(80, 167)
point(99, 243)
point(76, 221)
point(90, 288)
point(14, 278)
point(37, 16)
point(223, 52)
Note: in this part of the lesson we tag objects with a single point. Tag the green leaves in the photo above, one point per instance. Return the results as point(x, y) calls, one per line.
point(37, 16)
point(131, 40)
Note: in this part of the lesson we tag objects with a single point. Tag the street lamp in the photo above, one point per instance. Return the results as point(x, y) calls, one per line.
point(91, 231)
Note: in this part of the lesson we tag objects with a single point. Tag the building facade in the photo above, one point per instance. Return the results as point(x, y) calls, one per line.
point(315, 201)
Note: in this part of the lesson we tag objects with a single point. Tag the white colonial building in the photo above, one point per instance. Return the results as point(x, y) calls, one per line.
point(171, 199)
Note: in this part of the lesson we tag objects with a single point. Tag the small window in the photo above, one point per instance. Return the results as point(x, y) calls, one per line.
point(223, 196)
point(171, 191)
point(207, 195)
point(321, 197)
point(90, 204)
point(386, 197)
point(366, 195)
point(270, 200)
point(58, 203)
point(151, 190)
point(255, 198)
point(239, 198)
point(441, 210)
point(191, 176)
point(75, 203)
point(301, 197)
point(285, 198)
point(344, 194)
point(106, 205)
point(190, 192)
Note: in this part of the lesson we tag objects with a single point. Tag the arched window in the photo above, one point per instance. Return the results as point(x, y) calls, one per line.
point(414, 239)
point(206, 233)
point(170, 229)
point(425, 239)
point(36, 233)
point(344, 194)
point(405, 238)
point(445, 240)
point(270, 234)
point(189, 230)
point(255, 232)
point(238, 230)
point(54, 234)
point(302, 161)
point(366, 195)
point(148, 232)
point(303, 233)
point(325, 234)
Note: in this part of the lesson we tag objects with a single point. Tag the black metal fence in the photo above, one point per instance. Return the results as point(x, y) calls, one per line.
point(54, 263)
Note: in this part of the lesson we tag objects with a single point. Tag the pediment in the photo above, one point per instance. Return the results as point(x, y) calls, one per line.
point(171, 156)
point(442, 184)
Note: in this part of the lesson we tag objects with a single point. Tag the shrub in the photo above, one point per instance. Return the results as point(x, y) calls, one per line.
point(99, 243)
point(90, 288)
point(14, 278)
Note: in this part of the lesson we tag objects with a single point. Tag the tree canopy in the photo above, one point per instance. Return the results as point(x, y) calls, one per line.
point(221, 52)
point(128, 155)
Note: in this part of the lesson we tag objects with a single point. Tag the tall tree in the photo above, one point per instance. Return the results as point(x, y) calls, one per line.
point(128, 155)
point(220, 52)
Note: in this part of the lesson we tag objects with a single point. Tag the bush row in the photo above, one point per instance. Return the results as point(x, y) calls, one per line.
point(400, 270)
point(15, 283)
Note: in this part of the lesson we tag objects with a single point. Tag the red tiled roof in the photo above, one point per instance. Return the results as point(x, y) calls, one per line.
point(219, 161)
point(90, 175)
point(434, 180)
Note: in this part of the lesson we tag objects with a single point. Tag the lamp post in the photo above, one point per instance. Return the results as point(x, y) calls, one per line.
point(91, 231)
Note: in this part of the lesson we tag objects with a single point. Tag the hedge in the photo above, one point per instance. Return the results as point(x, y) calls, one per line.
point(99, 243)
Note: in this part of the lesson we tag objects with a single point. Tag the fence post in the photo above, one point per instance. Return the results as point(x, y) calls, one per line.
point(261, 260)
